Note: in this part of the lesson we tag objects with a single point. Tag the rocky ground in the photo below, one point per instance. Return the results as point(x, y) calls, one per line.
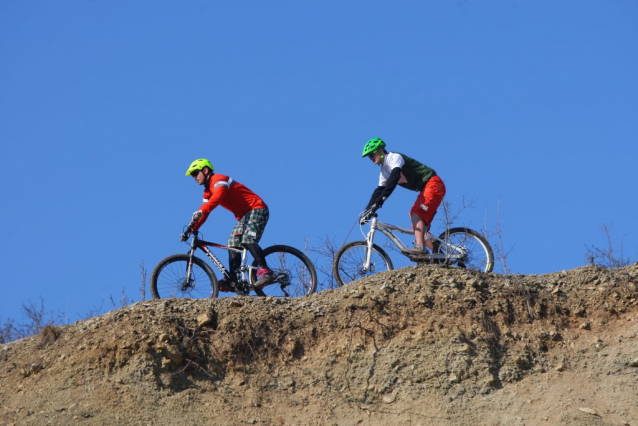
point(417, 346)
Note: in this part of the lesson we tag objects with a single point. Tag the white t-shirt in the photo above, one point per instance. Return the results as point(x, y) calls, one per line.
point(391, 161)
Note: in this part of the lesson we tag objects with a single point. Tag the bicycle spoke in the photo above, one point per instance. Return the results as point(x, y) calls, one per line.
point(295, 278)
point(171, 281)
point(466, 250)
point(351, 259)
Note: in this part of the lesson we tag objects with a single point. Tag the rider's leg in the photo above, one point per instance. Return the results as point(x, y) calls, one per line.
point(234, 258)
point(420, 232)
point(257, 253)
point(265, 275)
point(424, 209)
point(255, 224)
point(234, 263)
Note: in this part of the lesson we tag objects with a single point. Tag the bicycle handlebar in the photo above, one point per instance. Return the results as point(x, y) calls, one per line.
point(368, 214)
point(188, 231)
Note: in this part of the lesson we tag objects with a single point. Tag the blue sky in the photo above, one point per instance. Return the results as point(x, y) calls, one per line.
point(532, 106)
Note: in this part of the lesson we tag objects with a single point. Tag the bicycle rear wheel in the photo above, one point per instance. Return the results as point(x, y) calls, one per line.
point(349, 262)
point(169, 278)
point(465, 248)
point(296, 275)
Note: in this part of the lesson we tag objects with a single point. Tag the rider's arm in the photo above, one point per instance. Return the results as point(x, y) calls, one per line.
point(376, 196)
point(218, 188)
point(389, 177)
point(391, 183)
point(383, 191)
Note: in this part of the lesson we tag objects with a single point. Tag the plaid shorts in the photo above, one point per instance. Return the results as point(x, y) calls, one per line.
point(249, 228)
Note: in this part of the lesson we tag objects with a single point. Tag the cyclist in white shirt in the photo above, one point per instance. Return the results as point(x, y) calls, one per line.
point(399, 169)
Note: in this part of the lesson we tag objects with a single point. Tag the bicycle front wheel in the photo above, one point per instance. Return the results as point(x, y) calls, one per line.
point(169, 278)
point(349, 263)
point(465, 248)
point(296, 275)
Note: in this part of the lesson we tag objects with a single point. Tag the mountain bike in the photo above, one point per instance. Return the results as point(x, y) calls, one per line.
point(186, 275)
point(457, 247)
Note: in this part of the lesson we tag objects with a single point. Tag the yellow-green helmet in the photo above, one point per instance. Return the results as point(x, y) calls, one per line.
point(199, 164)
point(372, 145)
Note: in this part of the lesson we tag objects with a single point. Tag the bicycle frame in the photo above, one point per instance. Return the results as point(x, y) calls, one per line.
point(196, 243)
point(387, 230)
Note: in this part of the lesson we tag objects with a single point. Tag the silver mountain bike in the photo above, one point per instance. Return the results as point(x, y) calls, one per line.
point(456, 247)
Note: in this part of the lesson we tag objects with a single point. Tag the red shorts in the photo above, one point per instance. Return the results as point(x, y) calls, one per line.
point(429, 200)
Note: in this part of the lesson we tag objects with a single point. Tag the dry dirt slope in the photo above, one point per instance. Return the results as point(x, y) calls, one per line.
point(417, 346)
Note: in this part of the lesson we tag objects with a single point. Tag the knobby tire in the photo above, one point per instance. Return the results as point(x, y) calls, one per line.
point(349, 260)
point(480, 256)
point(299, 277)
point(169, 276)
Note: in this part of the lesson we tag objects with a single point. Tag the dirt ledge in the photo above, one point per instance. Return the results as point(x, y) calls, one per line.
point(417, 346)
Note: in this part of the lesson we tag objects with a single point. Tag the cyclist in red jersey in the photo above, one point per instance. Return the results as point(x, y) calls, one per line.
point(249, 209)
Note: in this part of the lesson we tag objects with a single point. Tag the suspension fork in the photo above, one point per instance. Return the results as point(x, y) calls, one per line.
point(189, 266)
point(370, 242)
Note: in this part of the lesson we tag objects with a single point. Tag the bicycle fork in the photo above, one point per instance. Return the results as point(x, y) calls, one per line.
point(369, 242)
point(188, 278)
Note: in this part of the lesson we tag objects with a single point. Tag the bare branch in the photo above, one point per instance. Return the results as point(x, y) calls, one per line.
point(609, 256)
point(326, 251)
point(501, 252)
point(143, 287)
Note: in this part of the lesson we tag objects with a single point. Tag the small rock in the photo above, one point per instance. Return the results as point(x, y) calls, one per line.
point(173, 354)
point(589, 411)
point(286, 383)
point(599, 344)
point(634, 363)
point(465, 348)
point(357, 295)
point(236, 303)
point(389, 399)
point(387, 287)
point(454, 378)
point(204, 319)
point(555, 336)
point(424, 300)
point(33, 369)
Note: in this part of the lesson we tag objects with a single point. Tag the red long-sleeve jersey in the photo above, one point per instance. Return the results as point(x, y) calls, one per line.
point(233, 196)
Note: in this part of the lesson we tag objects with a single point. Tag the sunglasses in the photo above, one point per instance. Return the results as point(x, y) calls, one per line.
point(195, 173)
point(372, 154)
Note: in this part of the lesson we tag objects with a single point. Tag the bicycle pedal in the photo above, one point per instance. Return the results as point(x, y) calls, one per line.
point(240, 290)
point(417, 256)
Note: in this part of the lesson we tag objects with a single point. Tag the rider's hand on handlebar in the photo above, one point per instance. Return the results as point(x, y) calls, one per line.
point(367, 214)
point(184, 236)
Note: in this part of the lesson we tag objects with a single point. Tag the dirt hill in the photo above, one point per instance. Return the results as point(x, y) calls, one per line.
point(418, 346)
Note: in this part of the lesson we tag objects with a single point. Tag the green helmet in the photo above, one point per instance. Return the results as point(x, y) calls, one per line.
point(372, 145)
point(199, 164)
